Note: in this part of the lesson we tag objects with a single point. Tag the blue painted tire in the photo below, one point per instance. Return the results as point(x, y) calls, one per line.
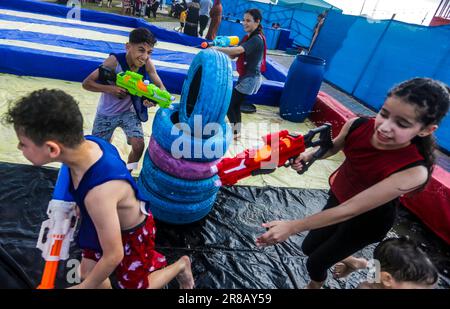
point(179, 168)
point(207, 88)
point(182, 145)
point(176, 189)
point(173, 212)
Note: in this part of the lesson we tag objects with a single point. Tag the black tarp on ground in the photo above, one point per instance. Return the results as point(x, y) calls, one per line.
point(221, 246)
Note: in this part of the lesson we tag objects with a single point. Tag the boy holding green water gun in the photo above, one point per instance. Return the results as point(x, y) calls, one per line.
point(125, 98)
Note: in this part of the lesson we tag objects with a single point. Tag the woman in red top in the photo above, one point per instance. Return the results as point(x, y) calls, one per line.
point(386, 157)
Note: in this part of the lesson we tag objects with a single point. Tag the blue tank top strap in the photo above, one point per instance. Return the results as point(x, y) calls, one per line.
point(121, 58)
point(109, 167)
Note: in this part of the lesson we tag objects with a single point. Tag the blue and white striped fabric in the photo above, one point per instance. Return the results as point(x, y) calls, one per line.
point(77, 38)
point(37, 39)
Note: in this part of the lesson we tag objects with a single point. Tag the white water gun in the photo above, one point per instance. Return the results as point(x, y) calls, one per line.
point(58, 230)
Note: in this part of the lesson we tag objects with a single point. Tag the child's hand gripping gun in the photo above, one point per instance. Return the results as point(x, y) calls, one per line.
point(57, 231)
point(222, 41)
point(132, 82)
point(279, 149)
point(324, 142)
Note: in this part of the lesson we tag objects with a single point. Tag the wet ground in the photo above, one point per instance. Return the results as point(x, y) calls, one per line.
point(221, 246)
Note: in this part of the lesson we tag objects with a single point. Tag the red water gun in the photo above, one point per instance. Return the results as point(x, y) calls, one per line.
point(279, 149)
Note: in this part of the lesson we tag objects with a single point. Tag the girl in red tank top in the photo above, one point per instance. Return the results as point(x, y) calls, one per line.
point(386, 157)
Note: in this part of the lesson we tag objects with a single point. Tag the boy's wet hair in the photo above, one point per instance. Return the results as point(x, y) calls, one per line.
point(46, 115)
point(405, 261)
point(142, 35)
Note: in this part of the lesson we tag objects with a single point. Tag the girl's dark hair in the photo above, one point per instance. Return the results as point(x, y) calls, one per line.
point(257, 16)
point(45, 115)
point(431, 99)
point(405, 261)
point(142, 35)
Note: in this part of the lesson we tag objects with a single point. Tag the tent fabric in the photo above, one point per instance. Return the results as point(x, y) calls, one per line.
point(312, 3)
point(299, 17)
point(366, 58)
point(221, 246)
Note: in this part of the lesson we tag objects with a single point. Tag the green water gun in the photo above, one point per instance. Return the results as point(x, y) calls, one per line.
point(132, 82)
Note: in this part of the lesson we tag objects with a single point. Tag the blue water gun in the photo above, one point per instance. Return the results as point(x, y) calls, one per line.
point(222, 41)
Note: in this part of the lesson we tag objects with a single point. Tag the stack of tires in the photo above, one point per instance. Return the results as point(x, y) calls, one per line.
point(188, 139)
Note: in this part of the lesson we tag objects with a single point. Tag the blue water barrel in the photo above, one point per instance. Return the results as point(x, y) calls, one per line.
point(301, 88)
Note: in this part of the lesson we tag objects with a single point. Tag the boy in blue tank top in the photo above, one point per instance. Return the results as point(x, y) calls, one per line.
point(117, 234)
point(115, 107)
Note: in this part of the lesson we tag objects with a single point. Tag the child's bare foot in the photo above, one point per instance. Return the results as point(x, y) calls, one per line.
point(314, 285)
point(347, 266)
point(342, 270)
point(185, 278)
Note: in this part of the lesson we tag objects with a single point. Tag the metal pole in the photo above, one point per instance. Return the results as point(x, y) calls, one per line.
point(362, 8)
point(447, 10)
point(375, 9)
point(270, 13)
point(439, 6)
point(425, 17)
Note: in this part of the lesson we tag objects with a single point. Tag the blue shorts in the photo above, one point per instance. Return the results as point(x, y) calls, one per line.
point(104, 126)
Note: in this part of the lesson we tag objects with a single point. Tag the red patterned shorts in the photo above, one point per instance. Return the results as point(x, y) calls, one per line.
point(140, 258)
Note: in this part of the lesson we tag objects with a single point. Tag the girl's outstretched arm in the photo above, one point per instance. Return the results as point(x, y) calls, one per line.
point(379, 194)
point(232, 52)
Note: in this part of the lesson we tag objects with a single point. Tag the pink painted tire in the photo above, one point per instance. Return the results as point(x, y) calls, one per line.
point(178, 167)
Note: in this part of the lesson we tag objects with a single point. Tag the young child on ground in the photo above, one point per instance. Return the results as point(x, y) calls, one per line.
point(403, 265)
point(386, 157)
point(117, 234)
point(115, 108)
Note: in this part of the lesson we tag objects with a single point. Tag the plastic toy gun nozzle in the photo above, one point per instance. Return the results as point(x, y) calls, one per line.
point(133, 83)
point(222, 41)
